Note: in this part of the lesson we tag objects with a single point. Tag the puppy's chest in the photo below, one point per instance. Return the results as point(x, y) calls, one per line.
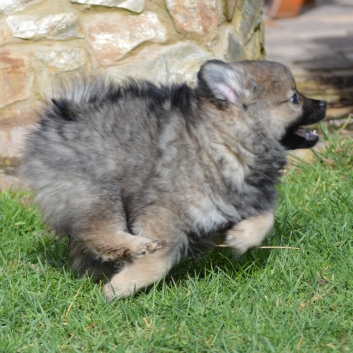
point(223, 197)
point(204, 216)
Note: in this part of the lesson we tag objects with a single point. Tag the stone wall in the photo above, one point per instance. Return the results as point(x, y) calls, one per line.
point(163, 40)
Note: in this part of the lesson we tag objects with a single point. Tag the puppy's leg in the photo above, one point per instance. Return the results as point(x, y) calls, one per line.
point(139, 274)
point(149, 269)
point(250, 232)
point(95, 251)
point(119, 245)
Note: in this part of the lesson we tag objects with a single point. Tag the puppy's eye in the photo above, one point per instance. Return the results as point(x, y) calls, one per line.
point(294, 99)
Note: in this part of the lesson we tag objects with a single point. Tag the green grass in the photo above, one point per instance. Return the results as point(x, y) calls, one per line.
point(270, 300)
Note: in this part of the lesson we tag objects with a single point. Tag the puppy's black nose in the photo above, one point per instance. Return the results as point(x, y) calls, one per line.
point(322, 104)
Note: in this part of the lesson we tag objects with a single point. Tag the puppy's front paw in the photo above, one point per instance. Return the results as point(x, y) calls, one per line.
point(113, 291)
point(123, 284)
point(249, 232)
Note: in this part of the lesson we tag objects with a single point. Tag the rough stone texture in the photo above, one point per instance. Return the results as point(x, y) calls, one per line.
point(196, 18)
point(9, 6)
point(113, 36)
point(163, 68)
point(247, 18)
point(10, 181)
point(5, 33)
point(131, 5)
point(299, 156)
point(20, 112)
point(42, 42)
point(230, 48)
point(56, 64)
point(254, 47)
point(229, 8)
point(11, 143)
point(63, 59)
point(14, 77)
point(57, 26)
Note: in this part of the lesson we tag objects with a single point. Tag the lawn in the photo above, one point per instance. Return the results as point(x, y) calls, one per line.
point(295, 298)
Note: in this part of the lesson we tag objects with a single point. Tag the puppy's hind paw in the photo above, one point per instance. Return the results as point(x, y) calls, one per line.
point(149, 248)
point(144, 247)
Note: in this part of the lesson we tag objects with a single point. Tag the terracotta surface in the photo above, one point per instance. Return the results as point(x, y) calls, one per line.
point(285, 8)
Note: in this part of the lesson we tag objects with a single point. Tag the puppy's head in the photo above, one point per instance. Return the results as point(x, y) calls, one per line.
point(266, 93)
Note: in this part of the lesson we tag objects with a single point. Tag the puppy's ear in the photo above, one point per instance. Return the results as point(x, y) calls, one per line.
point(222, 81)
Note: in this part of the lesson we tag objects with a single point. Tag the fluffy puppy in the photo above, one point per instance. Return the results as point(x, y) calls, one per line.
point(139, 175)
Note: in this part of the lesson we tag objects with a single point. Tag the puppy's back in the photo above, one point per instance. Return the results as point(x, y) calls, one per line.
point(96, 144)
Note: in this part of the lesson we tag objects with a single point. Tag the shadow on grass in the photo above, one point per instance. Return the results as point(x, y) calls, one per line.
point(50, 251)
point(214, 261)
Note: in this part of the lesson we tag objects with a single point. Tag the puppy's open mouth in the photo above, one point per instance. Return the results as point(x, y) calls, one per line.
point(309, 136)
point(299, 138)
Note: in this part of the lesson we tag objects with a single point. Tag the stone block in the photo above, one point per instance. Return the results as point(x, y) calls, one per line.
point(5, 33)
point(254, 48)
point(15, 79)
point(62, 59)
point(197, 18)
point(8, 7)
point(247, 17)
point(112, 36)
point(12, 142)
point(229, 8)
point(57, 26)
point(228, 47)
point(22, 112)
point(131, 5)
point(302, 155)
point(175, 64)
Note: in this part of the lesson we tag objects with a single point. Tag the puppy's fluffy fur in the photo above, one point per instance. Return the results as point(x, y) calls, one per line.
point(139, 175)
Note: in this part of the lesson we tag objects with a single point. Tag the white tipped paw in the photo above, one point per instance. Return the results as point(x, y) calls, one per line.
point(250, 232)
point(113, 291)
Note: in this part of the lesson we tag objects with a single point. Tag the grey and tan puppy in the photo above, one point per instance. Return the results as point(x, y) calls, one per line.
point(141, 175)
